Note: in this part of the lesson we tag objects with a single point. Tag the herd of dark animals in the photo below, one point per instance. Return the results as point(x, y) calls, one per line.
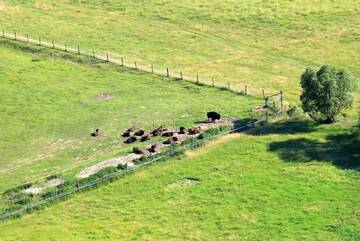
point(133, 134)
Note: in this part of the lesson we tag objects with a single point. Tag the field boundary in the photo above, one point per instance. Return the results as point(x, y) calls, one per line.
point(148, 68)
point(163, 155)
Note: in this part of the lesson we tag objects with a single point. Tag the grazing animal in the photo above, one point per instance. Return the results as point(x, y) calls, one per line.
point(131, 129)
point(182, 130)
point(95, 133)
point(138, 151)
point(130, 140)
point(126, 134)
point(194, 130)
point(156, 132)
point(145, 138)
point(167, 134)
point(139, 133)
point(213, 116)
point(171, 140)
point(153, 148)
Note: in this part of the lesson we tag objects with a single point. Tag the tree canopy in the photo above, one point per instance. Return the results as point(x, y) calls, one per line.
point(326, 93)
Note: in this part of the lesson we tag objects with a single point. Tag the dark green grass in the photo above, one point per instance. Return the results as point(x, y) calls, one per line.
point(258, 186)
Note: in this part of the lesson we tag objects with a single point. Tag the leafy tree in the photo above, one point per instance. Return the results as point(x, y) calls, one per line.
point(326, 93)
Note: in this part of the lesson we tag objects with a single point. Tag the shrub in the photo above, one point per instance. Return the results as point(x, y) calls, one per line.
point(212, 132)
point(292, 111)
point(121, 166)
point(102, 173)
point(48, 178)
point(326, 93)
point(17, 189)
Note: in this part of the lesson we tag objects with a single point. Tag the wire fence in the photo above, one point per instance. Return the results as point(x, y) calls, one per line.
point(152, 159)
point(135, 65)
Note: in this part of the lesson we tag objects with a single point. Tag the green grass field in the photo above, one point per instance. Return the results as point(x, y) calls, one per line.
point(291, 180)
point(280, 184)
point(49, 106)
point(264, 44)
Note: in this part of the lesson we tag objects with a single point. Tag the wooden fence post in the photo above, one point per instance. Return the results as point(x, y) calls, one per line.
point(122, 61)
point(229, 86)
point(39, 41)
point(181, 75)
point(281, 101)
point(266, 102)
point(15, 35)
point(94, 54)
point(77, 186)
point(65, 47)
point(197, 78)
point(27, 38)
point(152, 68)
point(107, 58)
point(266, 115)
point(167, 72)
point(246, 90)
point(3, 33)
point(78, 49)
point(263, 93)
point(53, 44)
point(135, 65)
point(213, 82)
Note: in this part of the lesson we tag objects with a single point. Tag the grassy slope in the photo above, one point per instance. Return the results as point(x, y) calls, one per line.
point(275, 186)
point(265, 44)
point(48, 108)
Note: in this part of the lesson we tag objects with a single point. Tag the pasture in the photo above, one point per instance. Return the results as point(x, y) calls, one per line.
point(292, 179)
point(264, 44)
point(50, 105)
point(289, 181)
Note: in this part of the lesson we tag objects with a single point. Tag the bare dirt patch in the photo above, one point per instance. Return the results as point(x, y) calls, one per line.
point(33, 190)
point(55, 182)
point(103, 96)
point(183, 183)
point(114, 162)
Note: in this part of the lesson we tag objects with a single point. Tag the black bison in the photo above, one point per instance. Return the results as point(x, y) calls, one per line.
point(167, 134)
point(171, 140)
point(145, 138)
point(194, 130)
point(156, 132)
point(213, 116)
point(95, 133)
point(126, 134)
point(139, 133)
point(137, 150)
point(130, 140)
point(131, 129)
point(182, 130)
point(153, 148)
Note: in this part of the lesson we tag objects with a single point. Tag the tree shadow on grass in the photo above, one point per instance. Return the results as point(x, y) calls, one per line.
point(341, 150)
point(287, 127)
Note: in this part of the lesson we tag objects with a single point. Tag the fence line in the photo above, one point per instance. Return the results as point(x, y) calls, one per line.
point(131, 64)
point(169, 153)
